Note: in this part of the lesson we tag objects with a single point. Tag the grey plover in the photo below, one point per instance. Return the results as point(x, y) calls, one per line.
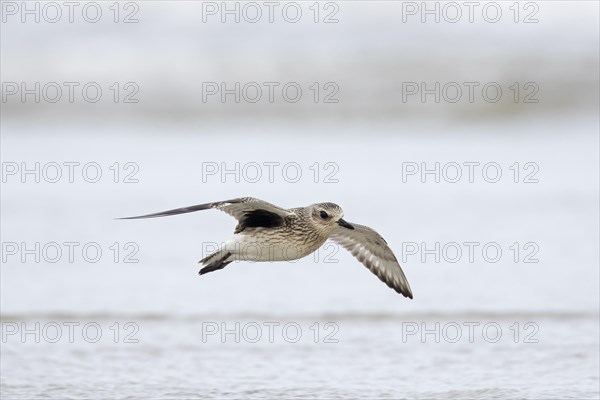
point(266, 232)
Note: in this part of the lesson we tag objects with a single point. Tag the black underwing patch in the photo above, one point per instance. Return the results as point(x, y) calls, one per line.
point(259, 219)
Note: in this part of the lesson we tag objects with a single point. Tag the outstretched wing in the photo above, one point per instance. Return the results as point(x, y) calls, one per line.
point(244, 209)
point(372, 250)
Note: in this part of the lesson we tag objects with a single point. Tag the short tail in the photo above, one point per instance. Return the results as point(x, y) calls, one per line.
point(215, 261)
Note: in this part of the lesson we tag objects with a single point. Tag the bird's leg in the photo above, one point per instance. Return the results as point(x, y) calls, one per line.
point(215, 265)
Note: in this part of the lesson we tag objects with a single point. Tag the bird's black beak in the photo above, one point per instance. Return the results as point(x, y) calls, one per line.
point(343, 223)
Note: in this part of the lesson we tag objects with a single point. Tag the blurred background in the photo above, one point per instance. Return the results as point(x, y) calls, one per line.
point(467, 135)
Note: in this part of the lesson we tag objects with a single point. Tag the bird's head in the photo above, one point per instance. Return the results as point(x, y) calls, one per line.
point(328, 216)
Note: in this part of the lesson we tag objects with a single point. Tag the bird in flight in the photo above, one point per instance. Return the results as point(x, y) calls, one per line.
point(266, 232)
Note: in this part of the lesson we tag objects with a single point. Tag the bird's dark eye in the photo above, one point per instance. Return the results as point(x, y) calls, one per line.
point(324, 215)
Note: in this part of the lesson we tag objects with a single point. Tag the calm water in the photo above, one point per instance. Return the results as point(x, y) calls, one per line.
point(334, 356)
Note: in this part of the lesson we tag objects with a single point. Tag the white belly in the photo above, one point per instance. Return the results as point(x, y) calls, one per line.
point(248, 248)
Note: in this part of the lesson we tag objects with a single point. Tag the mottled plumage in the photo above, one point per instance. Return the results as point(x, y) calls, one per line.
point(266, 232)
